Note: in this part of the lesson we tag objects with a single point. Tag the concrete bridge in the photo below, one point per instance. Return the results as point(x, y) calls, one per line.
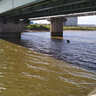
point(14, 14)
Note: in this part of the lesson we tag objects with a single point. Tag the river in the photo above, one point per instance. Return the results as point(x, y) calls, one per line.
point(38, 65)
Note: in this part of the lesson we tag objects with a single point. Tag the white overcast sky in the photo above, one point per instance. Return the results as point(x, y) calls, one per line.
point(81, 20)
point(87, 20)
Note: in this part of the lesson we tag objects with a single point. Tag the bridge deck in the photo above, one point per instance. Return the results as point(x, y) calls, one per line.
point(39, 8)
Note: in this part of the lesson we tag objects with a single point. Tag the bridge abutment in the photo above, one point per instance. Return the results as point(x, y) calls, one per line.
point(57, 26)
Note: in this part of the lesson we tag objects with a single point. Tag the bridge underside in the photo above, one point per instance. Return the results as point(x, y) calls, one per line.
point(50, 8)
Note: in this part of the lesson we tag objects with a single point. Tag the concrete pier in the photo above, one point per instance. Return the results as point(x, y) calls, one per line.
point(57, 26)
point(10, 29)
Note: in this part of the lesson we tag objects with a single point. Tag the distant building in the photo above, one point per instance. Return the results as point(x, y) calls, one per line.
point(71, 21)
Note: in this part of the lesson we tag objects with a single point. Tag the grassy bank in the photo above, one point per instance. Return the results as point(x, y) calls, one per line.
point(79, 28)
point(39, 27)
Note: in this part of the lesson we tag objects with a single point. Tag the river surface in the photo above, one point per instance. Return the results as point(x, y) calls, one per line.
point(38, 67)
point(81, 51)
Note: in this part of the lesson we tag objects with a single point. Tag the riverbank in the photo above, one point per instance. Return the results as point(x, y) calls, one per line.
point(38, 27)
point(39, 74)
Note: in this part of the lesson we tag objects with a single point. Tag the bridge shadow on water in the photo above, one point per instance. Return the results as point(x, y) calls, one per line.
point(69, 49)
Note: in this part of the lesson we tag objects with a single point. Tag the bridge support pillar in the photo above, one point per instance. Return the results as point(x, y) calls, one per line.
point(10, 29)
point(57, 26)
